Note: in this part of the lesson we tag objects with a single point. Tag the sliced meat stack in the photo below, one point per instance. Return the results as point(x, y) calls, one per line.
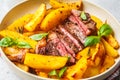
point(68, 38)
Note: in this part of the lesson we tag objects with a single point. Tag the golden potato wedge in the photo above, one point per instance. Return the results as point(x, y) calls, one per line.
point(22, 66)
point(109, 49)
point(100, 55)
point(20, 37)
point(42, 74)
point(96, 54)
point(91, 71)
point(108, 62)
point(83, 53)
point(112, 41)
point(57, 4)
point(45, 62)
point(76, 71)
point(54, 18)
point(18, 25)
point(37, 18)
point(94, 51)
point(94, 65)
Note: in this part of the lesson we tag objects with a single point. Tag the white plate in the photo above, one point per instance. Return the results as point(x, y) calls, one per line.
point(31, 5)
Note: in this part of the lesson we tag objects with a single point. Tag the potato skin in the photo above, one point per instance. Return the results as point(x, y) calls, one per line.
point(18, 24)
point(56, 4)
point(37, 61)
point(109, 49)
point(37, 18)
point(54, 18)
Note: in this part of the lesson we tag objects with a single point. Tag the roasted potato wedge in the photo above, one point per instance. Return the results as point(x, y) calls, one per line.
point(45, 62)
point(18, 25)
point(91, 71)
point(108, 62)
point(22, 66)
point(57, 4)
point(77, 70)
point(97, 20)
point(112, 41)
point(109, 49)
point(83, 53)
point(54, 18)
point(37, 18)
point(43, 74)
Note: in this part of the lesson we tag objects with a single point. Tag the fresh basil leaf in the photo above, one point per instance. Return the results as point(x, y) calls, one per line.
point(92, 40)
point(53, 73)
point(83, 15)
point(23, 45)
point(38, 36)
point(6, 42)
point(105, 30)
point(61, 72)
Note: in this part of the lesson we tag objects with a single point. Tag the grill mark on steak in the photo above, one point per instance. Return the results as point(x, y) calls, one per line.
point(58, 47)
point(52, 43)
point(75, 31)
point(68, 48)
point(72, 19)
point(67, 43)
point(70, 36)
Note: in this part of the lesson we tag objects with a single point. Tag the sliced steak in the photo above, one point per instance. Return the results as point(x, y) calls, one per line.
point(57, 47)
point(52, 42)
point(70, 36)
point(73, 19)
point(88, 25)
point(79, 22)
point(75, 31)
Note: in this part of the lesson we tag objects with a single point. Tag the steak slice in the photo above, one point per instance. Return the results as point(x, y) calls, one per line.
point(79, 21)
point(56, 47)
point(75, 31)
point(65, 32)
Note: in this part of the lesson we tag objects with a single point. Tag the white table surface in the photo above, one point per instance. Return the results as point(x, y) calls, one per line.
point(113, 6)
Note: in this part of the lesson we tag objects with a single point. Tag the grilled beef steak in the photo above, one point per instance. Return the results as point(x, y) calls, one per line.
point(67, 39)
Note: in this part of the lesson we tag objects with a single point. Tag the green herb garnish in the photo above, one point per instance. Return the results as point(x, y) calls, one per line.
point(92, 40)
point(23, 45)
point(61, 72)
point(53, 73)
point(83, 15)
point(38, 36)
point(8, 42)
point(104, 30)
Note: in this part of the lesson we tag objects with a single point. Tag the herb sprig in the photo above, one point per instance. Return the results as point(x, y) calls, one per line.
point(38, 36)
point(8, 42)
point(59, 74)
point(83, 15)
point(104, 30)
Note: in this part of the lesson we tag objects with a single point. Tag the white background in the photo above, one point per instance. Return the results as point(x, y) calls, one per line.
point(113, 6)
